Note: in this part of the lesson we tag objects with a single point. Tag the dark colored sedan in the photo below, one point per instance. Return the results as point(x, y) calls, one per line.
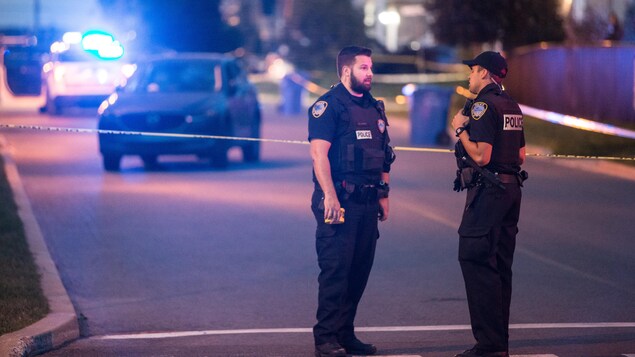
point(195, 94)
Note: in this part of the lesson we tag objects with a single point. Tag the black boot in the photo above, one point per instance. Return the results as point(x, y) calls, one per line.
point(357, 347)
point(329, 349)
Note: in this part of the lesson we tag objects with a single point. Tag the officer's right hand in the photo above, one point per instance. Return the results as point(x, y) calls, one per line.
point(331, 208)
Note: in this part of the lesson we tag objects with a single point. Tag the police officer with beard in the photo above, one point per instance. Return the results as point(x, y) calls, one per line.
point(491, 139)
point(351, 165)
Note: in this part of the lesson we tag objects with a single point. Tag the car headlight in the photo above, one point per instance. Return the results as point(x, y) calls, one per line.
point(106, 103)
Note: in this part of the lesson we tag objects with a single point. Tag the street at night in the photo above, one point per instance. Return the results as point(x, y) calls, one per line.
point(185, 259)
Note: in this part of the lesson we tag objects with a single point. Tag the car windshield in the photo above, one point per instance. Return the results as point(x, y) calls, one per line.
point(171, 77)
point(75, 55)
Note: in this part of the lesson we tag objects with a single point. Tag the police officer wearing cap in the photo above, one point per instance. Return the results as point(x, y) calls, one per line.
point(351, 165)
point(490, 132)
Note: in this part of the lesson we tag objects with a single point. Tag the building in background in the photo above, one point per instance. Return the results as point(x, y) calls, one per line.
point(397, 24)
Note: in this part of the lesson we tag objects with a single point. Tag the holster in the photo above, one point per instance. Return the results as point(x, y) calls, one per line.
point(466, 178)
point(344, 190)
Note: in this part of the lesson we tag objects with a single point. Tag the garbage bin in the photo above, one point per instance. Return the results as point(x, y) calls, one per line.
point(429, 107)
point(291, 93)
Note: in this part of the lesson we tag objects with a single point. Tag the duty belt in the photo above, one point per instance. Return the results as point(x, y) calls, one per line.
point(363, 193)
point(507, 178)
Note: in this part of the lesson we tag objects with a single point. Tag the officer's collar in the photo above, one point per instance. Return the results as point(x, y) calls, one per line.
point(363, 100)
point(490, 88)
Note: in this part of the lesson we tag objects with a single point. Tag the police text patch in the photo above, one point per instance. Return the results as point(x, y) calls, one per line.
point(364, 134)
point(319, 108)
point(512, 122)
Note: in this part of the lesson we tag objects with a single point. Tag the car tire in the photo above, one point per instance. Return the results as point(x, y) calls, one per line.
point(218, 156)
point(112, 162)
point(150, 162)
point(51, 107)
point(251, 151)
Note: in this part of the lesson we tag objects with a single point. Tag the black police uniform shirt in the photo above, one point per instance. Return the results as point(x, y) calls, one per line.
point(495, 118)
point(347, 121)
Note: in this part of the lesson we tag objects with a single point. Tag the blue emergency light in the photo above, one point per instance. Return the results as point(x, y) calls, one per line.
point(102, 45)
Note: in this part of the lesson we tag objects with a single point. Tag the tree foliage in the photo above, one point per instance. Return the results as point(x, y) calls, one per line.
point(316, 33)
point(512, 22)
point(463, 22)
point(591, 28)
point(531, 21)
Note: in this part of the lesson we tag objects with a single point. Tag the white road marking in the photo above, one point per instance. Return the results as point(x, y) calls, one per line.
point(158, 335)
point(154, 335)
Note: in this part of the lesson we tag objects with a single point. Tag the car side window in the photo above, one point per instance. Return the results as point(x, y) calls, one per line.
point(181, 77)
point(161, 81)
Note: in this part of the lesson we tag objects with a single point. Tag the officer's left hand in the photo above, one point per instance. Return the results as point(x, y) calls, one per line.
point(459, 120)
point(383, 209)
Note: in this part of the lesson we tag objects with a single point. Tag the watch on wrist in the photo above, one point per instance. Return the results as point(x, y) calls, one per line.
point(459, 130)
point(383, 189)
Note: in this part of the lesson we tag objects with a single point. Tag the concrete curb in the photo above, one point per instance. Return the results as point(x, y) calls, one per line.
point(60, 326)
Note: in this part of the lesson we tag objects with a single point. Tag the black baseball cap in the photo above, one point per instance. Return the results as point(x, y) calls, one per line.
point(491, 61)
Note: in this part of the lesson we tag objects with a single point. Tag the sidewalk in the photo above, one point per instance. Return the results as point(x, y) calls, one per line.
point(60, 326)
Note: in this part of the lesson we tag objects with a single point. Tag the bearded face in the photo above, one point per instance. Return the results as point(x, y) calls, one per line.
point(361, 74)
point(361, 83)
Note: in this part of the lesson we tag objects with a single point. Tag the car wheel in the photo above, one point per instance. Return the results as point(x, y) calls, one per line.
point(51, 107)
point(112, 162)
point(218, 156)
point(251, 151)
point(150, 161)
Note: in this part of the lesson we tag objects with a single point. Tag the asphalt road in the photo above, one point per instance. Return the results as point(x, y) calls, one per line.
point(186, 260)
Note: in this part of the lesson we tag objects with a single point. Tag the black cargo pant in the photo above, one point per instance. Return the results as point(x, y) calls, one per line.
point(486, 252)
point(345, 256)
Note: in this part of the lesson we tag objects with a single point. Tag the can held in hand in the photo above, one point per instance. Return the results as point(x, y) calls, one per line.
point(341, 220)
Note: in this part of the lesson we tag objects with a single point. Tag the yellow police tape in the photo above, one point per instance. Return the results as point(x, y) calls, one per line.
point(556, 118)
point(557, 156)
point(279, 141)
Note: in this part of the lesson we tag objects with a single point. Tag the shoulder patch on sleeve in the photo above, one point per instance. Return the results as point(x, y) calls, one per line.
point(478, 109)
point(319, 108)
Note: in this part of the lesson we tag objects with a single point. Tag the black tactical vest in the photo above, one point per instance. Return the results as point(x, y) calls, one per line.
point(358, 153)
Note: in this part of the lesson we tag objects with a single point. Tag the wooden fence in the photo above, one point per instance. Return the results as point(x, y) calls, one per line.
point(596, 83)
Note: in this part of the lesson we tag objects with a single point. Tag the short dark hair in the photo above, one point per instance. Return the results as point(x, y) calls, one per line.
point(346, 57)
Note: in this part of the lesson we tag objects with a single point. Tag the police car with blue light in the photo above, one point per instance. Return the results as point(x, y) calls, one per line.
point(82, 70)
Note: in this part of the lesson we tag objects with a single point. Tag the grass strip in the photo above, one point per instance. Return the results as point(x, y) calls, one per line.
point(22, 301)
